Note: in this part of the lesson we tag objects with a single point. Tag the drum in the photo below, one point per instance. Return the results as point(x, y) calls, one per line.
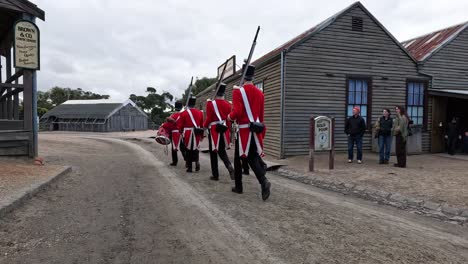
point(162, 137)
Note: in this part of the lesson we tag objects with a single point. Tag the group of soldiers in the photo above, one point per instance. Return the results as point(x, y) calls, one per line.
point(187, 127)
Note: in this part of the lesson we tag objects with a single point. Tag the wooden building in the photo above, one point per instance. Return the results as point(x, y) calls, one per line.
point(348, 60)
point(18, 133)
point(443, 57)
point(95, 116)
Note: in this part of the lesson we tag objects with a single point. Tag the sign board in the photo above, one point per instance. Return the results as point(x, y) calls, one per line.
point(26, 45)
point(230, 68)
point(323, 133)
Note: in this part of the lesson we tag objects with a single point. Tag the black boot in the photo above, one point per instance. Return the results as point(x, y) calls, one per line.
point(213, 178)
point(236, 190)
point(173, 164)
point(197, 166)
point(266, 190)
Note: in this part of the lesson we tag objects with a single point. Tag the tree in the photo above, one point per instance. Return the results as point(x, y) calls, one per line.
point(199, 86)
point(157, 105)
point(58, 95)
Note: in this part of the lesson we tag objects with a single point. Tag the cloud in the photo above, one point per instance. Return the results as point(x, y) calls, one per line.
point(121, 47)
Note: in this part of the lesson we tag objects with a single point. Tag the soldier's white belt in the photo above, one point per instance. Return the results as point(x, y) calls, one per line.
point(244, 126)
point(188, 129)
point(217, 122)
point(175, 131)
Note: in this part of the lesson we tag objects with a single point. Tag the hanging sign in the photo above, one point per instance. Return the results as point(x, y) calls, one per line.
point(26, 45)
point(230, 68)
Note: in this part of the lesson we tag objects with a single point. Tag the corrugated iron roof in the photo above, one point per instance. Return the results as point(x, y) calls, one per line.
point(82, 109)
point(425, 46)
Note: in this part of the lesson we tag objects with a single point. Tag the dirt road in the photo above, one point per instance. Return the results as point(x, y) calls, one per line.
point(123, 204)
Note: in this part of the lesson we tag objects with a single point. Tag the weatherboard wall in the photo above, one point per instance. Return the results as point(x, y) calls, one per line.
point(316, 73)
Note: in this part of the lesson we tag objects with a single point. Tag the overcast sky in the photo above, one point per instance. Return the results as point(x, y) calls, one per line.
point(121, 47)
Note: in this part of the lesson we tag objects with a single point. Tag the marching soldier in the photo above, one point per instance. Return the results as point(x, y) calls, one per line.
point(189, 124)
point(248, 111)
point(176, 140)
point(219, 132)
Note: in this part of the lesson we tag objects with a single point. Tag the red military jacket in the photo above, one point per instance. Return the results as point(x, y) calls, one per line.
point(171, 127)
point(185, 126)
point(256, 101)
point(224, 108)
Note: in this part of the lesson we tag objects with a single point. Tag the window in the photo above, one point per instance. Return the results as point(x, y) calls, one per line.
point(259, 85)
point(358, 96)
point(415, 102)
point(357, 24)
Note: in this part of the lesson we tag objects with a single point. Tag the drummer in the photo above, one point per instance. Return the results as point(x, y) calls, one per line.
point(174, 133)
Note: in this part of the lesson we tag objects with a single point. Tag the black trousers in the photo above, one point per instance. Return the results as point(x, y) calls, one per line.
point(452, 144)
point(221, 153)
point(192, 154)
point(254, 161)
point(245, 166)
point(182, 149)
point(400, 151)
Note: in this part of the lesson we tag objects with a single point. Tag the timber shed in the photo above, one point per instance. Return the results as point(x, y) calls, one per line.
point(442, 55)
point(95, 116)
point(350, 59)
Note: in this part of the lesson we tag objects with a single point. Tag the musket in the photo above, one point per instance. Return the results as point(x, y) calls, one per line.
point(189, 92)
point(218, 84)
point(247, 63)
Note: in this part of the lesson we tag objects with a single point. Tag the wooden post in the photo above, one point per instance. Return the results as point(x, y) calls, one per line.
point(331, 159)
point(311, 143)
point(9, 103)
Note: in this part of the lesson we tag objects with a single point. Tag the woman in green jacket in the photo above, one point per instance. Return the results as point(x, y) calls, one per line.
point(400, 131)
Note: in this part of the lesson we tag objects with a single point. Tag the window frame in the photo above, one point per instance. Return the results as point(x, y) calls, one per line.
point(425, 100)
point(369, 98)
point(263, 85)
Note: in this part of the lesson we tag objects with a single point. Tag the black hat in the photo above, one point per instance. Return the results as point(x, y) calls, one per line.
point(249, 75)
point(178, 106)
point(221, 90)
point(192, 101)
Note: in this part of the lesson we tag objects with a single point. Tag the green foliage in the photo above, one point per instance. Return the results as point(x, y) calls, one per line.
point(41, 111)
point(57, 95)
point(157, 105)
point(199, 86)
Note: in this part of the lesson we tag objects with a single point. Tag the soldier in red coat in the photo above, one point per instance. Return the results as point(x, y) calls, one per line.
point(190, 124)
point(219, 132)
point(248, 110)
point(174, 133)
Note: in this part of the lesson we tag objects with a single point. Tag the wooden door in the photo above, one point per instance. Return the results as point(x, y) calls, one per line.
point(439, 121)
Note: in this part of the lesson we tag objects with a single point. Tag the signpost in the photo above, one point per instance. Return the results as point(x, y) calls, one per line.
point(229, 68)
point(322, 138)
point(26, 45)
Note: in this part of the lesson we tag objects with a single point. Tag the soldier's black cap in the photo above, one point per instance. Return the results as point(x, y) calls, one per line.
point(221, 90)
point(192, 101)
point(178, 106)
point(250, 72)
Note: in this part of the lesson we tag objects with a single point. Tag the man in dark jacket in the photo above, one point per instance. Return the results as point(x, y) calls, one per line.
point(354, 128)
point(452, 135)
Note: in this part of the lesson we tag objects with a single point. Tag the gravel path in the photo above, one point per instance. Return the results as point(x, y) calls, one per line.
point(123, 204)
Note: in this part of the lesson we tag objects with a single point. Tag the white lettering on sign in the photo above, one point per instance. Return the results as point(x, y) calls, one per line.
point(26, 46)
point(323, 133)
